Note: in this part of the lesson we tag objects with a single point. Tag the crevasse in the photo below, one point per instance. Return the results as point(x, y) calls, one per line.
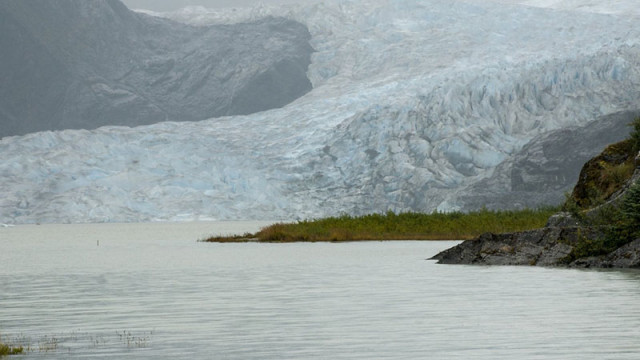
point(411, 101)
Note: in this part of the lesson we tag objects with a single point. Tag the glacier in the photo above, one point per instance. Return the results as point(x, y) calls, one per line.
point(411, 102)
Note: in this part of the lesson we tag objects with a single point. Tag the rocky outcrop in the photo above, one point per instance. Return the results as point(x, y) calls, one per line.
point(543, 171)
point(588, 239)
point(550, 246)
point(88, 63)
point(536, 247)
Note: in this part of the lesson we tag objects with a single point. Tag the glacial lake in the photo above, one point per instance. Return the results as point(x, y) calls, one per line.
point(151, 291)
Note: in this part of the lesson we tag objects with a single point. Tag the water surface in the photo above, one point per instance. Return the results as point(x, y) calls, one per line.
point(153, 292)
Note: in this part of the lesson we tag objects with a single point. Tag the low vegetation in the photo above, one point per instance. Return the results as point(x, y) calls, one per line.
point(604, 175)
point(608, 172)
point(404, 226)
point(64, 342)
point(591, 201)
point(6, 350)
point(619, 224)
point(600, 179)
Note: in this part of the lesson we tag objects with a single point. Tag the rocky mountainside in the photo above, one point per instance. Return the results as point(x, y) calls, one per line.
point(602, 229)
point(81, 64)
point(547, 167)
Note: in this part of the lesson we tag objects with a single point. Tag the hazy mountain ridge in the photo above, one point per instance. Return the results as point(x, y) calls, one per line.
point(85, 64)
point(408, 108)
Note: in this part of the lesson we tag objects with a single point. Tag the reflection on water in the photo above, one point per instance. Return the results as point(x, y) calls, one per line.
point(151, 291)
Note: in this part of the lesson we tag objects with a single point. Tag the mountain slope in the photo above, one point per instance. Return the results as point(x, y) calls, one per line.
point(547, 167)
point(90, 63)
point(602, 230)
point(412, 102)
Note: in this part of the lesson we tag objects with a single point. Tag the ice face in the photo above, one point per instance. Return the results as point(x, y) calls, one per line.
point(411, 102)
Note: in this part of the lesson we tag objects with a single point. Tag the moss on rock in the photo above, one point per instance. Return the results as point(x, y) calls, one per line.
point(605, 174)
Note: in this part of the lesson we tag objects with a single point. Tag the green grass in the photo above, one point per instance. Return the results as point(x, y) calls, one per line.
point(604, 175)
point(10, 350)
point(600, 178)
point(404, 226)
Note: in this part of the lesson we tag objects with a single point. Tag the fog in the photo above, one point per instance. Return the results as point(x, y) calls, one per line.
point(170, 5)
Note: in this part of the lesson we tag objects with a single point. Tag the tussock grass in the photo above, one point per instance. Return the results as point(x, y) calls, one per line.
point(6, 350)
point(403, 226)
point(64, 342)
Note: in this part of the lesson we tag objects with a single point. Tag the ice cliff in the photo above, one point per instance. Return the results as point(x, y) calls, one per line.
point(81, 64)
point(412, 104)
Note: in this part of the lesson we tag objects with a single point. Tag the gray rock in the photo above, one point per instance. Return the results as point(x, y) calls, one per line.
point(627, 256)
point(562, 219)
point(548, 246)
point(88, 63)
point(546, 168)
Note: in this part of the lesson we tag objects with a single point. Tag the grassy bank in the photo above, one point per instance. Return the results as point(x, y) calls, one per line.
point(405, 226)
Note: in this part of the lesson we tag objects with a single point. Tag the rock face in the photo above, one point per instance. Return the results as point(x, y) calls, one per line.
point(552, 245)
point(88, 63)
point(627, 256)
point(537, 247)
point(548, 167)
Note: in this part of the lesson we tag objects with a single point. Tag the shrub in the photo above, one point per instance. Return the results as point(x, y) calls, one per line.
point(630, 207)
point(635, 134)
point(605, 174)
point(620, 225)
point(571, 206)
point(10, 350)
point(614, 177)
point(587, 247)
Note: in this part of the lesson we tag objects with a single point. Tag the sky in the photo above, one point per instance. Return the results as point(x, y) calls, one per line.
point(170, 5)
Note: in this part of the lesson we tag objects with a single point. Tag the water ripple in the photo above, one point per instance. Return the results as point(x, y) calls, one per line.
point(154, 298)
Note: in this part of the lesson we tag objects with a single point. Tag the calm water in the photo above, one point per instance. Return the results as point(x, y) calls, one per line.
point(150, 291)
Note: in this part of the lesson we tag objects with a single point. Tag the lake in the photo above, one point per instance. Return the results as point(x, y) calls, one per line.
point(151, 291)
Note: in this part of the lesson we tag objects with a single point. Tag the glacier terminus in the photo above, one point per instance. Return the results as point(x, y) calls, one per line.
point(412, 104)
